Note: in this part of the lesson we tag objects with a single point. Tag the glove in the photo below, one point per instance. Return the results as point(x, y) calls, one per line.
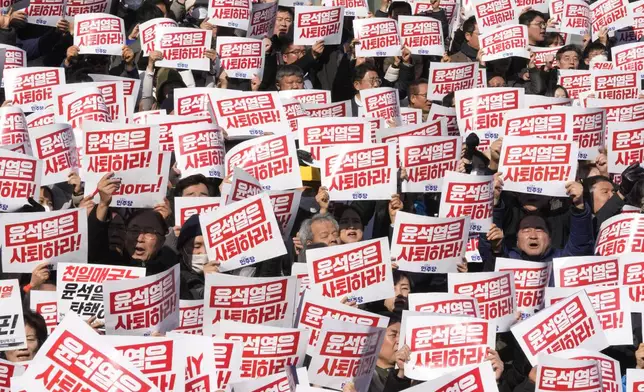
point(630, 176)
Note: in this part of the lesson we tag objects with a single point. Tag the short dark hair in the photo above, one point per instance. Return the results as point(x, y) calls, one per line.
point(361, 70)
point(148, 11)
point(550, 37)
point(527, 17)
point(448, 100)
point(37, 322)
point(413, 86)
point(281, 8)
point(399, 8)
point(287, 70)
point(593, 46)
point(189, 181)
point(568, 48)
point(469, 25)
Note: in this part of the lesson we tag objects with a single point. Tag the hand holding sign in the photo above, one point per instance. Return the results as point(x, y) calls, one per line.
point(576, 192)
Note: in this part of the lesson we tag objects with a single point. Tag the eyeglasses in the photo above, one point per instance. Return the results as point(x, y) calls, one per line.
point(542, 25)
point(148, 233)
point(374, 80)
point(297, 52)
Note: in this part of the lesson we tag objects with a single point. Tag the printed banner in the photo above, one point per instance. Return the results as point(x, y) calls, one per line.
point(99, 34)
point(61, 363)
point(199, 149)
point(13, 126)
point(619, 111)
point(558, 374)
point(337, 109)
point(14, 58)
point(440, 344)
point(625, 145)
point(30, 88)
point(308, 96)
point(285, 206)
point(45, 12)
point(320, 133)
point(39, 237)
point(494, 291)
point(358, 8)
point(437, 112)
point(277, 382)
point(56, 147)
point(570, 323)
point(130, 88)
point(421, 35)
point(554, 123)
point(588, 130)
point(542, 56)
point(86, 104)
point(378, 37)
point(142, 306)
point(262, 20)
point(185, 207)
point(242, 58)
point(541, 102)
point(615, 84)
point(249, 114)
point(468, 195)
point(9, 373)
point(575, 18)
point(230, 13)
point(345, 352)
point(19, 179)
point(198, 358)
point(266, 350)
point(427, 160)
point(475, 378)
point(427, 244)
point(492, 14)
point(38, 119)
point(183, 47)
point(381, 102)
point(585, 271)
point(445, 78)
point(575, 81)
point(629, 57)
point(608, 367)
point(530, 281)
point(12, 323)
point(394, 135)
point(609, 13)
point(634, 380)
point(538, 166)
point(147, 33)
point(621, 234)
point(293, 111)
point(242, 186)
point(444, 303)
point(316, 23)
point(504, 42)
point(359, 172)
point(631, 276)
point(80, 7)
point(242, 233)
point(271, 159)
point(112, 93)
point(190, 317)
point(409, 116)
point(367, 278)
point(167, 125)
point(45, 304)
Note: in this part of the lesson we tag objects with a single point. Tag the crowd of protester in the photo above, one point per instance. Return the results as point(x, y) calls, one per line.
point(526, 227)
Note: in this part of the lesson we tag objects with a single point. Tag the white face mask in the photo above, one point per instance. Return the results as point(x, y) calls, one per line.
point(46, 207)
point(198, 261)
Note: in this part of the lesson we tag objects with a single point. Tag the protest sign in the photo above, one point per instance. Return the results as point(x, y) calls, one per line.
point(337, 109)
point(359, 171)
point(80, 7)
point(556, 374)
point(249, 114)
point(228, 355)
point(588, 130)
point(381, 102)
point(99, 34)
point(634, 380)
point(410, 116)
point(471, 378)
point(190, 317)
point(185, 207)
point(318, 23)
point(445, 78)
point(14, 57)
point(80, 287)
point(440, 343)
point(625, 145)
point(575, 17)
point(130, 89)
point(45, 12)
point(541, 102)
point(615, 84)
point(621, 234)
point(266, 350)
point(421, 35)
point(503, 42)
point(468, 195)
point(142, 306)
point(293, 111)
point(199, 149)
point(575, 81)
point(553, 123)
point(428, 244)
point(262, 20)
point(147, 33)
point(270, 159)
point(56, 147)
point(61, 363)
point(494, 291)
point(542, 57)
point(444, 303)
point(22, 148)
point(242, 233)
point(265, 301)
point(277, 382)
point(243, 185)
point(629, 57)
point(608, 367)
point(530, 281)
point(584, 271)
point(619, 111)
point(317, 134)
point(393, 135)
point(13, 126)
point(12, 323)
point(611, 305)
point(635, 32)
point(427, 160)
point(492, 14)
point(437, 112)
point(345, 352)
point(242, 58)
point(609, 13)
point(9, 371)
point(316, 308)
point(183, 47)
point(570, 323)
point(538, 166)
point(19, 179)
point(308, 96)
point(198, 358)
point(285, 206)
point(600, 65)
point(378, 37)
point(167, 125)
point(631, 276)
point(30, 88)
point(366, 278)
point(230, 13)
point(358, 8)
point(85, 104)
point(45, 304)
point(158, 358)
point(482, 110)
point(39, 237)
